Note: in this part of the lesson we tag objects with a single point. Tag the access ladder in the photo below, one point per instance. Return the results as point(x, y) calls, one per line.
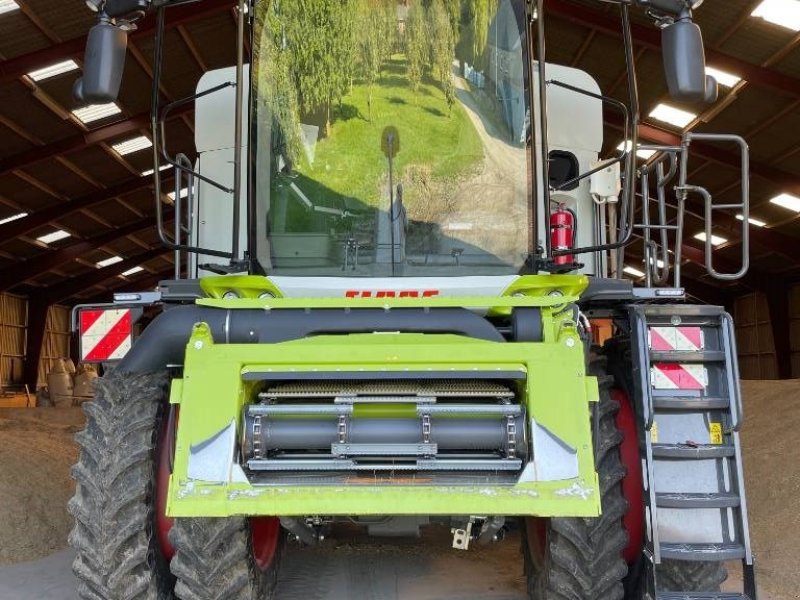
point(686, 383)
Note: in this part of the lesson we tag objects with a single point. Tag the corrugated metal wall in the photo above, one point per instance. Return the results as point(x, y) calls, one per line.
point(754, 336)
point(56, 340)
point(794, 329)
point(13, 323)
point(13, 339)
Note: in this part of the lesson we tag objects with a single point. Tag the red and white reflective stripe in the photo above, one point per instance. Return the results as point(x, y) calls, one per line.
point(673, 376)
point(666, 339)
point(105, 334)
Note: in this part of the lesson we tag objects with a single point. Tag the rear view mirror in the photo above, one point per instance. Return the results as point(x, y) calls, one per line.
point(103, 64)
point(685, 62)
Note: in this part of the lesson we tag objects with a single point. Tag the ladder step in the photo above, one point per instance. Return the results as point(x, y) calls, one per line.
point(701, 596)
point(687, 356)
point(693, 451)
point(701, 552)
point(690, 402)
point(695, 500)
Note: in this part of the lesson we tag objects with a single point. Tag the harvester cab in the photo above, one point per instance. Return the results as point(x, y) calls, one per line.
point(392, 242)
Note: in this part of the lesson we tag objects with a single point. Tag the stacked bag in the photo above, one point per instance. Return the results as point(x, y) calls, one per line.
point(68, 386)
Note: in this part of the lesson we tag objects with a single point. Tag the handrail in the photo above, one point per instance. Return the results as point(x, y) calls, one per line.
point(710, 207)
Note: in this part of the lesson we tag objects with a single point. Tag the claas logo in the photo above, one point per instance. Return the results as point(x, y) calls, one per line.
point(391, 293)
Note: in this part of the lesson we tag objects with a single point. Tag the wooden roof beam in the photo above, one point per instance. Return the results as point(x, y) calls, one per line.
point(22, 226)
point(650, 37)
point(180, 15)
point(14, 275)
point(76, 142)
point(65, 290)
point(783, 179)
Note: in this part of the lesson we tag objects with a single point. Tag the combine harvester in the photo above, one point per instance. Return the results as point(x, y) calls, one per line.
point(384, 312)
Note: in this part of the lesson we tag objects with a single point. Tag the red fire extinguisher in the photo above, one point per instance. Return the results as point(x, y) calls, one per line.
point(562, 234)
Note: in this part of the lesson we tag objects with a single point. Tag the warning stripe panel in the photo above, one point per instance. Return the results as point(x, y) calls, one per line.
point(672, 376)
point(682, 339)
point(89, 318)
point(107, 336)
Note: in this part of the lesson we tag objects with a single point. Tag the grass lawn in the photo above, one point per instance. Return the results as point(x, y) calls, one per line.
point(350, 164)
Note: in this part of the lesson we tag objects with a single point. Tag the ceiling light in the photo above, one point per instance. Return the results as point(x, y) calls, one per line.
point(21, 215)
point(8, 6)
point(723, 78)
point(715, 239)
point(55, 236)
point(53, 70)
point(95, 112)
point(787, 201)
point(184, 193)
point(632, 271)
point(785, 13)
point(109, 261)
point(752, 221)
point(132, 145)
point(151, 171)
point(644, 154)
point(132, 271)
point(673, 116)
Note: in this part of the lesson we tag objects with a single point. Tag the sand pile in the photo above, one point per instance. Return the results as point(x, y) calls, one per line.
point(36, 452)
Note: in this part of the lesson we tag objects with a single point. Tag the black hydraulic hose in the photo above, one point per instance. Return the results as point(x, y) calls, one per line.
point(163, 342)
point(628, 205)
point(545, 150)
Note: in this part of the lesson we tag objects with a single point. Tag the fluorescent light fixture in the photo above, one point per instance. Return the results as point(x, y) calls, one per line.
point(132, 145)
point(787, 201)
point(644, 154)
point(21, 215)
point(715, 239)
point(184, 193)
point(8, 6)
point(132, 271)
point(57, 69)
point(55, 236)
point(151, 171)
point(723, 78)
point(659, 263)
point(109, 261)
point(785, 13)
point(95, 112)
point(632, 271)
point(673, 116)
point(752, 221)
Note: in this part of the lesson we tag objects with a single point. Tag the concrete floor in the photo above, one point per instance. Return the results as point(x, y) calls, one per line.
point(402, 571)
point(344, 570)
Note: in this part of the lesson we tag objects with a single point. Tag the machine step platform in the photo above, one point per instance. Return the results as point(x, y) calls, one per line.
point(686, 386)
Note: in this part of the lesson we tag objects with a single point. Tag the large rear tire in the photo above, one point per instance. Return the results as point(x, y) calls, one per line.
point(215, 560)
point(570, 558)
point(118, 553)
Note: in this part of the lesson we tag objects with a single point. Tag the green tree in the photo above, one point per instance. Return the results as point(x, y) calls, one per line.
point(320, 35)
point(276, 89)
point(417, 44)
point(480, 24)
point(443, 49)
point(376, 31)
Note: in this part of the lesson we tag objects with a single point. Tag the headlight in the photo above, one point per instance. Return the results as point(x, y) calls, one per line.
point(230, 295)
point(266, 295)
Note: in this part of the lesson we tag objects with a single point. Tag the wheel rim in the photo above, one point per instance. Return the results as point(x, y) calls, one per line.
point(165, 453)
point(536, 532)
point(264, 536)
point(633, 520)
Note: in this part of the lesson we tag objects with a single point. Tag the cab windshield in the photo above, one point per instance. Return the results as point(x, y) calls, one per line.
point(391, 137)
